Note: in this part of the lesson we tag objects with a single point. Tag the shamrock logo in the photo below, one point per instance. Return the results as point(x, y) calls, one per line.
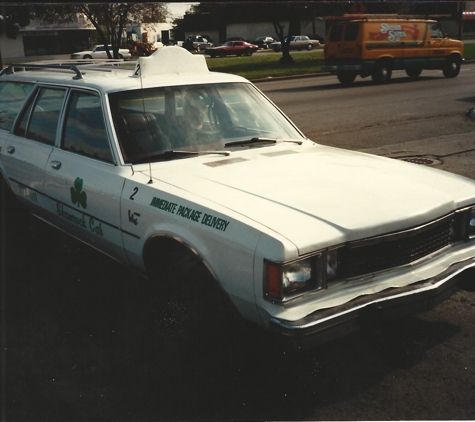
point(78, 196)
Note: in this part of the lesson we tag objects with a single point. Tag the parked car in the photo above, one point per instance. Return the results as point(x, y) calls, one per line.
point(297, 42)
point(233, 48)
point(263, 42)
point(176, 171)
point(100, 52)
point(197, 42)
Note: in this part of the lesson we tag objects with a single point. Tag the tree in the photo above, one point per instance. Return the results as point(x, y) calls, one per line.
point(12, 18)
point(109, 19)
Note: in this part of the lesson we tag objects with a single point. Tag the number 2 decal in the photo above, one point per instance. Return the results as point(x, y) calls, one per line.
point(136, 189)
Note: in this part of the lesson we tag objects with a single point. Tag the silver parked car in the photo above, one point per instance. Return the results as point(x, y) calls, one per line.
point(297, 42)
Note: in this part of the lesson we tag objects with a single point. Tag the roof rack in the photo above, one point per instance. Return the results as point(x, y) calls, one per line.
point(100, 65)
point(366, 16)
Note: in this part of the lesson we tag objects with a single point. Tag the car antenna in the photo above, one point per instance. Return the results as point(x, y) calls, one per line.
point(144, 112)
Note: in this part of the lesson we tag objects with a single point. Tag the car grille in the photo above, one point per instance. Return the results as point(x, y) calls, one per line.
point(393, 250)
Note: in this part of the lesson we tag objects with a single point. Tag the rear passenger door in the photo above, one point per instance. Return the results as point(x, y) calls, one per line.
point(81, 179)
point(29, 146)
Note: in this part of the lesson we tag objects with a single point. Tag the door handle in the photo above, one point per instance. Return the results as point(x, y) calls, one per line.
point(10, 150)
point(56, 164)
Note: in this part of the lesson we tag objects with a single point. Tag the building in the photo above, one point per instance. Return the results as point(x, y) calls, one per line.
point(39, 40)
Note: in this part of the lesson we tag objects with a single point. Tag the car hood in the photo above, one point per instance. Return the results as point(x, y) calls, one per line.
point(316, 195)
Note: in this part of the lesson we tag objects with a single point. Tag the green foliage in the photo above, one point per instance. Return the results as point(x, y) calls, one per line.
point(469, 51)
point(264, 65)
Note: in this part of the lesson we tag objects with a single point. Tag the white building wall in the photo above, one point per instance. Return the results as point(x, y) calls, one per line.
point(11, 49)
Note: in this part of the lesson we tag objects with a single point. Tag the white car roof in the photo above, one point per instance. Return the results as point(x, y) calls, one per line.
point(170, 66)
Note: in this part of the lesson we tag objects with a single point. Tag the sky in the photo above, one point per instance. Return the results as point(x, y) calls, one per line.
point(177, 10)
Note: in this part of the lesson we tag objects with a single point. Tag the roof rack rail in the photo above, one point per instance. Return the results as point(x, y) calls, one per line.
point(72, 65)
point(366, 16)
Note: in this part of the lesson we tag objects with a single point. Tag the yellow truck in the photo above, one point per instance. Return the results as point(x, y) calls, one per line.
point(375, 46)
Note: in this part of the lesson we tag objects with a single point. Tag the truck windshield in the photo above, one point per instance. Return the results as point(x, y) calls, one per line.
point(195, 118)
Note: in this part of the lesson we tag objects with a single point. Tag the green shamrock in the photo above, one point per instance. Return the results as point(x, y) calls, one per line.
point(77, 195)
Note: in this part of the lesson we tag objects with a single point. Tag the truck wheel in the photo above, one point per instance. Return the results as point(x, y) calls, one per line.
point(452, 67)
point(382, 73)
point(413, 72)
point(346, 78)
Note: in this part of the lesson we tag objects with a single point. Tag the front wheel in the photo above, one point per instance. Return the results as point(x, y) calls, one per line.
point(309, 47)
point(198, 48)
point(248, 52)
point(382, 73)
point(87, 57)
point(452, 67)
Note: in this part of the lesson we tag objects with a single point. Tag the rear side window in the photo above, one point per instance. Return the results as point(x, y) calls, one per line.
point(85, 130)
point(12, 97)
point(336, 33)
point(351, 32)
point(40, 121)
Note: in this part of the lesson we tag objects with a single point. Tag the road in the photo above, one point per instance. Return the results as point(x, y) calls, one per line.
point(367, 115)
point(83, 335)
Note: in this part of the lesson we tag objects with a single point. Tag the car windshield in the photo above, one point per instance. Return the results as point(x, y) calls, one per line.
point(152, 123)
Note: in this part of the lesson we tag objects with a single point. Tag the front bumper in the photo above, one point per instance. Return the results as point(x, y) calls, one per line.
point(327, 324)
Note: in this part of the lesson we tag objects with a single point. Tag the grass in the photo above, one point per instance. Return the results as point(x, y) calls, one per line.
point(264, 65)
point(469, 51)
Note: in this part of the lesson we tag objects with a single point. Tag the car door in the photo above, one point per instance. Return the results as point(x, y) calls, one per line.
point(30, 144)
point(81, 179)
point(436, 41)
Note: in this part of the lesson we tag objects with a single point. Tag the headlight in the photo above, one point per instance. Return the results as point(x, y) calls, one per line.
point(471, 223)
point(295, 278)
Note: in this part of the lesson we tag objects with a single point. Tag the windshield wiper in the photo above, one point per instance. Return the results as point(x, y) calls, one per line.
point(252, 141)
point(256, 141)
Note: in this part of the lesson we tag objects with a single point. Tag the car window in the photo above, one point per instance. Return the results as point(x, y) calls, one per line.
point(351, 32)
point(193, 118)
point(85, 131)
point(336, 33)
point(12, 97)
point(435, 31)
point(40, 121)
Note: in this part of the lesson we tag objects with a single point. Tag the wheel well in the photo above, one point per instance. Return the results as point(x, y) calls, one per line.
point(456, 56)
point(385, 60)
point(163, 255)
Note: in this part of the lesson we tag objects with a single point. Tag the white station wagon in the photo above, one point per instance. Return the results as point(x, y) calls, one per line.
point(169, 160)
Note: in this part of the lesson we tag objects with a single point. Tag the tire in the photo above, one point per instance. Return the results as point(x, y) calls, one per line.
point(309, 47)
point(452, 67)
point(87, 57)
point(413, 72)
point(191, 307)
point(382, 73)
point(121, 57)
point(198, 48)
point(248, 52)
point(346, 78)
point(222, 54)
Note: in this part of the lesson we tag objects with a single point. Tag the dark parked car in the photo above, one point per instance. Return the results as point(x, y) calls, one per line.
point(264, 42)
point(230, 48)
point(197, 42)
